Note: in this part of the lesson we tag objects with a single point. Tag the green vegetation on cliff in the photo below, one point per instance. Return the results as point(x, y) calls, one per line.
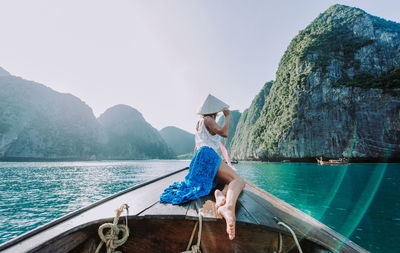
point(241, 143)
point(331, 37)
point(388, 80)
point(234, 119)
point(310, 109)
point(129, 136)
point(37, 122)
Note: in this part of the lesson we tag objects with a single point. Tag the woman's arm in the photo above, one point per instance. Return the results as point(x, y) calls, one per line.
point(217, 129)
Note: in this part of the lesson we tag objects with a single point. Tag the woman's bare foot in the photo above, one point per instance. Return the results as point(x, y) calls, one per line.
point(230, 218)
point(219, 198)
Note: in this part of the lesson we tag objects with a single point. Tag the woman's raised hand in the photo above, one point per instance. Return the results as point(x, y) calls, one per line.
point(226, 112)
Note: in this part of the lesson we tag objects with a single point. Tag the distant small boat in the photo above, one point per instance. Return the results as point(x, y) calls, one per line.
point(340, 161)
point(286, 161)
point(158, 227)
point(234, 161)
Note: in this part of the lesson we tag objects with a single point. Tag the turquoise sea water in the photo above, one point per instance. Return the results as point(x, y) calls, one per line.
point(360, 201)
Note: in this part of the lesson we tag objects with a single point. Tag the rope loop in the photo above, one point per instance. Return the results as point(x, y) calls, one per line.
point(110, 239)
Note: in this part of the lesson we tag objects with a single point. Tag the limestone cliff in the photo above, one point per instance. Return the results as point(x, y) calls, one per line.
point(233, 122)
point(38, 122)
point(129, 136)
point(336, 93)
point(241, 142)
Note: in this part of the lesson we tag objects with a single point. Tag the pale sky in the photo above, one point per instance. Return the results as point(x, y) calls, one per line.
point(161, 57)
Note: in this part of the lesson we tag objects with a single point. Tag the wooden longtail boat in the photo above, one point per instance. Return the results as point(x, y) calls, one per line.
point(333, 162)
point(157, 227)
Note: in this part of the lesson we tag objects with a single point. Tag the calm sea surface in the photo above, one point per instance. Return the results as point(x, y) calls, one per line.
point(360, 201)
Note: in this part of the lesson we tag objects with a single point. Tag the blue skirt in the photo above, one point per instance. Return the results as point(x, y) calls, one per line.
point(199, 181)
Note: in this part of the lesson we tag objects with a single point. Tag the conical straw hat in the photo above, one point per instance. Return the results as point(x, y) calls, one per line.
point(212, 105)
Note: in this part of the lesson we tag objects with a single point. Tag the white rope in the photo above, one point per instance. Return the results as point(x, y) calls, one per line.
point(293, 234)
point(111, 237)
point(195, 248)
point(280, 243)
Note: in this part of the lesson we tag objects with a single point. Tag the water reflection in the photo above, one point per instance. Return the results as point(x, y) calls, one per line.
point(360, 201)
point(32, 194)
point(348, 198)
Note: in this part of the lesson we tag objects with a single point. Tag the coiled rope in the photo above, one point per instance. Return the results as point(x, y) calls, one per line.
point(195, 248)
point(111, 237)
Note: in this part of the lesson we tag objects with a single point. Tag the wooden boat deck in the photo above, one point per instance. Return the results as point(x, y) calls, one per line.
point(255, 207)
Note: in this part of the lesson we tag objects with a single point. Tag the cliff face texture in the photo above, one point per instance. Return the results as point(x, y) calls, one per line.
point(336, 93)
point(37, 122)
point(233, 122)
point(242, 142)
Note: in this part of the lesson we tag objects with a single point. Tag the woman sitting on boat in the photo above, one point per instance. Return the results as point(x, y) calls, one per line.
point(206, 167)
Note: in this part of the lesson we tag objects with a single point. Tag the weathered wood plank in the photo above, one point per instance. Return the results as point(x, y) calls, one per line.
point(65, 245)
point(207, 205)
point(192, 213)
point(261, 214)
point(249, 238)
point(89, 246)
point(158, 235)
point(166, 210)
point(243, 215)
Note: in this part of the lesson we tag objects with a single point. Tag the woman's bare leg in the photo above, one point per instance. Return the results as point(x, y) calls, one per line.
point(235, 187)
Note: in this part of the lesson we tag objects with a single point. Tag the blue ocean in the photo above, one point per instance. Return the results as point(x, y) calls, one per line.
point(360, 201)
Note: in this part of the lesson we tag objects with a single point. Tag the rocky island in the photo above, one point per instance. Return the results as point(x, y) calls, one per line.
point(336, 94)
point(38, 123)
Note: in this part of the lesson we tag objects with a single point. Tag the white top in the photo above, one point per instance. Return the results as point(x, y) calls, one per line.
point(204, 138)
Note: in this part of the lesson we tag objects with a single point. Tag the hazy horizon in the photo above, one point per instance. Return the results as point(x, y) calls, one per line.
point(160, 57)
